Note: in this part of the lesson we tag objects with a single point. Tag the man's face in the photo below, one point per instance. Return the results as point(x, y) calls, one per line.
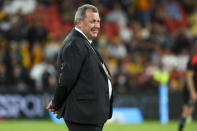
point(91, 24)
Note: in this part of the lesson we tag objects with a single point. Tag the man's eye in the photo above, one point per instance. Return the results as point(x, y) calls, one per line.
point(94, 21)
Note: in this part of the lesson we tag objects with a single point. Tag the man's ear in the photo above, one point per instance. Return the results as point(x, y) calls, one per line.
point(79, 22)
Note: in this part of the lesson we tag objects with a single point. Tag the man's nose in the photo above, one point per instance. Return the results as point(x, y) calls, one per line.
point(97, 24)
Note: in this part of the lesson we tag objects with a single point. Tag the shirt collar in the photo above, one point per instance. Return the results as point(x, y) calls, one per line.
point(77, 29)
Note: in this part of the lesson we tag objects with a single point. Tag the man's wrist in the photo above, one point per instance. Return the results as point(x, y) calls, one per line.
point(54, 106)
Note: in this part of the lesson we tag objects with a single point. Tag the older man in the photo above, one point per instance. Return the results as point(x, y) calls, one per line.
point(84, 92)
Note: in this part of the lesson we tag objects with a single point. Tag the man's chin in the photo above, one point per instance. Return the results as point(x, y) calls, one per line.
point(94, 36)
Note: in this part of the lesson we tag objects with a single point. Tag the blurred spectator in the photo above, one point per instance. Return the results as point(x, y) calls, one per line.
point(51, 50)
point(189, 5)
point(18, 31)
point(169, 60)
point(113, 66)
point(192, 19)
point(5, 24)
point(136, 64)
point(3, 46)
point(132, 13)
point(175, 15)
point(1, 4)
point(176, 82)
point(13, 6)
point(181, 42)
point(25, 54)
point(117, 15)
point(134, 47)
point(144, 10)
point(21, 80)
point(39, 72)
point(37, 53)
point(49, 82)
point(117, 49)
point(36, 32)
point(121, 84)
point(173, 10)
point(182, 60)
point(126, 34)
point(3, 76)
point(160, 35)
point(67, 9)
point(13, 50)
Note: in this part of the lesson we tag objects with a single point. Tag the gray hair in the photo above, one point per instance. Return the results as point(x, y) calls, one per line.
point(81, 12)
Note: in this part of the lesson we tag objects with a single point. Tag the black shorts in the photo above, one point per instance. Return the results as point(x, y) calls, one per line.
point(186, 97)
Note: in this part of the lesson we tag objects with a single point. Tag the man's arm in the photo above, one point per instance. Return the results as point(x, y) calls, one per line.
point(190, 84)
point(73, 57)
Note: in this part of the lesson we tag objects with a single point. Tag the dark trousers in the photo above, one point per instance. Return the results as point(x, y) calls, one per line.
point(84, 127)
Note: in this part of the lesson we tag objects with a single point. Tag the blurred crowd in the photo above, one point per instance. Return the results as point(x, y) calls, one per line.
point(138, 38)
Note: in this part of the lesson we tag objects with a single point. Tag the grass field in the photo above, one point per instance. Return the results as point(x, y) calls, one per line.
point(44, 125)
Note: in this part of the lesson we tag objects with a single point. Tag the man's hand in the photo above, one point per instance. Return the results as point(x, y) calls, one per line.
point(193, 96)
point(50, 108)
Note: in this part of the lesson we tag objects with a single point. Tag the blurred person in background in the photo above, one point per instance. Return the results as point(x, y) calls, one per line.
point(38, 73)
point(190, 89)
point(84, 93)
point(117, 15)
point(36, 32)
point(3, 76)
